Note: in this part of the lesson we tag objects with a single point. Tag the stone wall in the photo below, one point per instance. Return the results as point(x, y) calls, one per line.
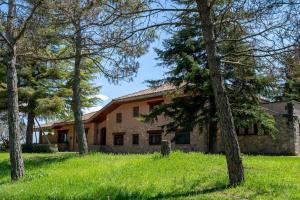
point(282, 143)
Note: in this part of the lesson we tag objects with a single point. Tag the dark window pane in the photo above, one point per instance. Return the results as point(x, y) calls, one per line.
point(119, 118)
point(86, 130)
point(103, 136)
point(135, 139)
point(118, 139)
point(246, 131)
point(182, 138)
point(255, 129)
point(154, 138)
point(62, 137)
point(136, 111)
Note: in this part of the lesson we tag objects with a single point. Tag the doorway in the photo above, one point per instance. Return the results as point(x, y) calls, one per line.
point(103, 136)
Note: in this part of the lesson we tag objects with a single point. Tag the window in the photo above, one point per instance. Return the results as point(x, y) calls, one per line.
point(255, 129)
point(135, 139)
point(182, 138)
point(103, 136)
point(248, 130)
point(119, 118)
point(118, 138)
point(153, 104)
point(86, 130)
point(136, 111)
point(62, 137)
point(154, 137)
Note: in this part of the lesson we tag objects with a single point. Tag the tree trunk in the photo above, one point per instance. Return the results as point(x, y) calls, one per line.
point(229, 137)
point(212, 125)
point(29, 129)
point(165, 148)
point(16, 160)
point(79, 126)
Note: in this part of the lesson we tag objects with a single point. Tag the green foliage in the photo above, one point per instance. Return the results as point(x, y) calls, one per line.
point(291, 89)
point(149, 176)
point(193, 102)
point(45, 88)
point(50, 106)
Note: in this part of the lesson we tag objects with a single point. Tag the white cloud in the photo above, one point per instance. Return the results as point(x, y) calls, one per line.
point(92, 109)
point(102, 97)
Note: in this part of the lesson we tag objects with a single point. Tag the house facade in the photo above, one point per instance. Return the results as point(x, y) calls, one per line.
point(118, 128)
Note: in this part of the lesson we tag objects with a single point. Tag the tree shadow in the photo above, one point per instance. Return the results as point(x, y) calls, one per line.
point(171, 195)
point(119, 193)
point(32, 163)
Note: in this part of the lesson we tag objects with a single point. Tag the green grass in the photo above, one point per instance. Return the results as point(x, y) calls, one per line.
point(180, 176)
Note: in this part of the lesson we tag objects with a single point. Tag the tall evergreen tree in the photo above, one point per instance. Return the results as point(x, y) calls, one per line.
point(193, 103)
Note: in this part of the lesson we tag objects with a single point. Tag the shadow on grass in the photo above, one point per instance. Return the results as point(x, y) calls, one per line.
point(116, 193)
point(33, 163)
point(172, 195)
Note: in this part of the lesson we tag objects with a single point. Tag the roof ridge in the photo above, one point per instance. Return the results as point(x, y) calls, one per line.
point(152, 90)
point(132, 93)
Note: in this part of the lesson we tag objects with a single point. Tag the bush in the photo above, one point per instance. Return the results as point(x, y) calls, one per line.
point(39, 148)
point(2, 148)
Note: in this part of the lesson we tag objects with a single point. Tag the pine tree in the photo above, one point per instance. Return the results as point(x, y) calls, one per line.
point(193, 103)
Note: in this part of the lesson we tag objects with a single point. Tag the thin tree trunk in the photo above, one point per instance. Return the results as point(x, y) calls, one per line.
point(79, 126)
point(29, 129)
point(229, 137)
point(212, 125)
point(16, 160)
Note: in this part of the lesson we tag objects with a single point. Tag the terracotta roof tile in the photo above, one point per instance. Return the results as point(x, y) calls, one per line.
point(51, 124)
point(88, 115)
point(149, 91)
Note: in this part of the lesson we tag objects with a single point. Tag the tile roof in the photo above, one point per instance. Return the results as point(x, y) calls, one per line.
point(149, 91)
point(88, 115)
point(51, 124)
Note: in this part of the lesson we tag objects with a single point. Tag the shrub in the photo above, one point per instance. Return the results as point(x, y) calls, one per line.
point(39, 148)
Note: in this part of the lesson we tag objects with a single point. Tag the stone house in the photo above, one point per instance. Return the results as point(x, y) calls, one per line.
point(117, 127)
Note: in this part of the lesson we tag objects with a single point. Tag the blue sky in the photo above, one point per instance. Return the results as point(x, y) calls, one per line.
point(148, 71)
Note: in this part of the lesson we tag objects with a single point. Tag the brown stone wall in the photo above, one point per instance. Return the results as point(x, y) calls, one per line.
point(281, 143)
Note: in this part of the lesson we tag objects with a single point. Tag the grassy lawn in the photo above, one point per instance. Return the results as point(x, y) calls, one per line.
point(180, 176)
